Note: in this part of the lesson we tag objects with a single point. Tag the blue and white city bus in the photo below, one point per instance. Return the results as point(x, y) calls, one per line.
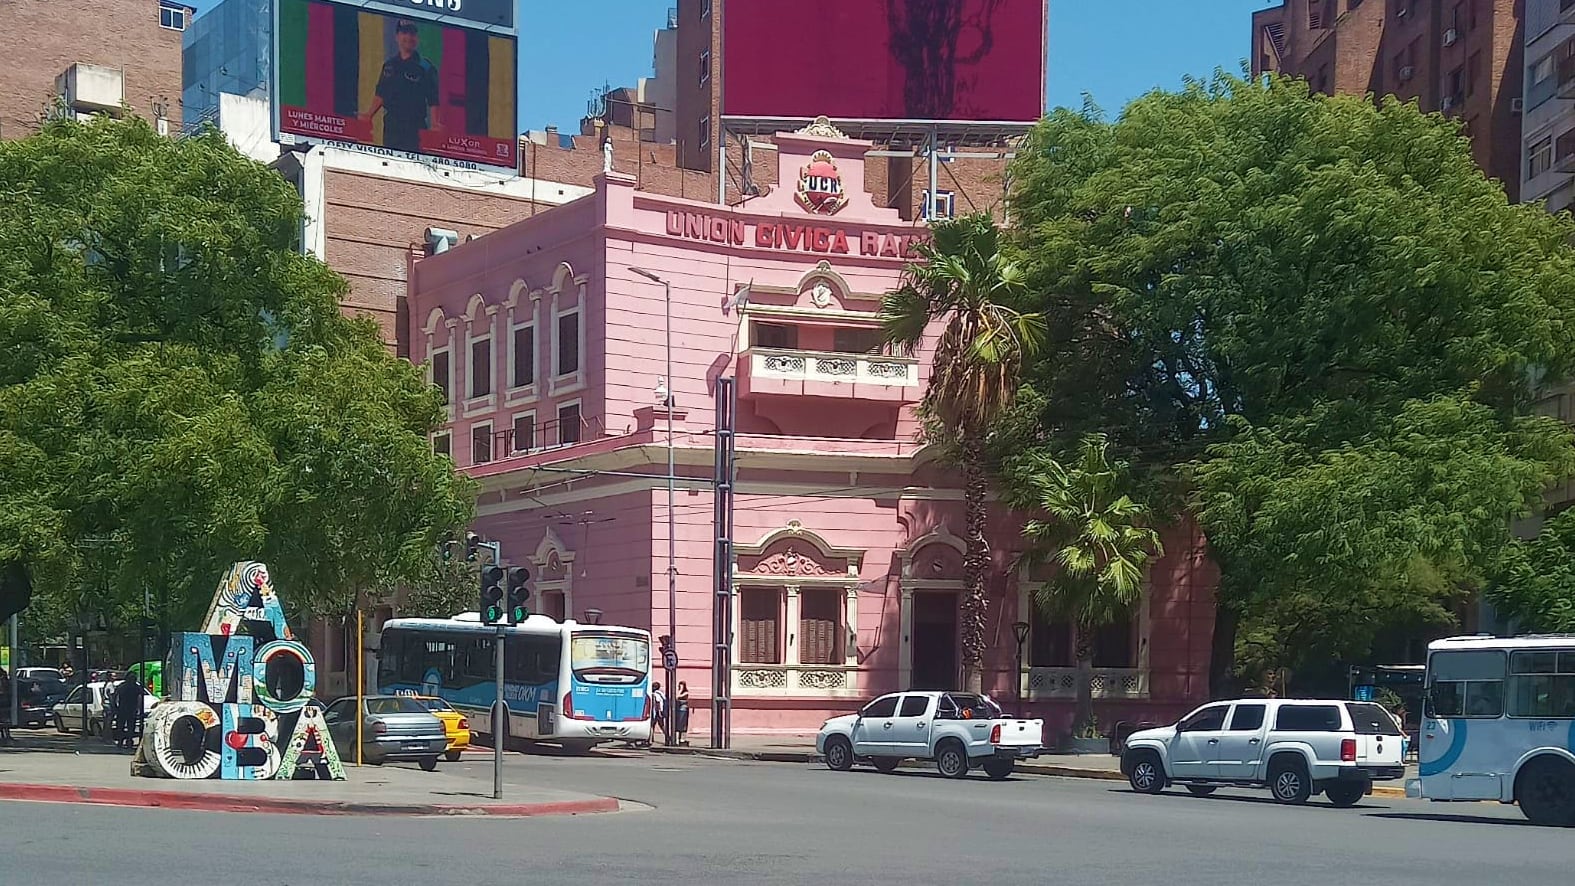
point(1499, 724)
point(569, 683)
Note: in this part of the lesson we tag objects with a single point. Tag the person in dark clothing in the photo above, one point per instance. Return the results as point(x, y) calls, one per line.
point(127, 703)
point(407, 89)
point(5, 707)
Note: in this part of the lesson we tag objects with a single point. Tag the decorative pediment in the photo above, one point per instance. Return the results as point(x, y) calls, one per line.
point(822, 128)
point(795, 552)
point(936, 556)
point(554, 562)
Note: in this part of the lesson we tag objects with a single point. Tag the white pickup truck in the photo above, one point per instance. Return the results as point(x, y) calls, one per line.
point(957, 730)
point(1295, 748)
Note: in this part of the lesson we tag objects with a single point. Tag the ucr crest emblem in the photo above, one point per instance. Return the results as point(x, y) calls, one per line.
point(820, 185)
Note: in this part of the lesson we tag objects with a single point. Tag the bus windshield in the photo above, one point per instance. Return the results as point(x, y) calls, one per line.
point(609, 658)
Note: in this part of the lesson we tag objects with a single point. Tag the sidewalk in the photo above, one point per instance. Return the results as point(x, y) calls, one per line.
point(801, 749)
point(49, 767)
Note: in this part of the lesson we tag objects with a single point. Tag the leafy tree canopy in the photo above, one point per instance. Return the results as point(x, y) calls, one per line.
point(1533, 582)
point(179, 390)
point(1318, 319)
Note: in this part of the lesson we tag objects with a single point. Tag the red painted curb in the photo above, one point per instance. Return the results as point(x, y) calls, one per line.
point(55, 793)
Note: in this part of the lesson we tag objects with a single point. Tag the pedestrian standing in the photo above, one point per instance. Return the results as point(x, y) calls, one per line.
point(127, 703)
point(681, 713)
point(659, 710)
point(67, 672)
point(5, 707)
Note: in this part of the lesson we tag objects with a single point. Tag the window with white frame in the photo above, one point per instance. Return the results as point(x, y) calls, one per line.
point(568, 343)
point(705, 131)
point(524, 436)
point(442, 374)
point(1539, 157)
point(760, 625)
point(569, 423)
point(442, 444)
point(481, 443)
point(172, 17)
point(945, 204)
point(705, 67)
point(480, 367)
point(1053, 642)
point(522, 356)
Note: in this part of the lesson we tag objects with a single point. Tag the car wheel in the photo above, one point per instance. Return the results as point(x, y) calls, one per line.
point(1289, 783)
point(1146, 776)
point(1545, 790)
point(951, 760)
point(1345, 793)
point(997, 768)
point(429, 764)
point(886, 764)
point(1201, 790)
point(839, 754)
point(451, 756)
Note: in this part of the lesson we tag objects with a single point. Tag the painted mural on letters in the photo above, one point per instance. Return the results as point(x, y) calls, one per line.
point(242, 705)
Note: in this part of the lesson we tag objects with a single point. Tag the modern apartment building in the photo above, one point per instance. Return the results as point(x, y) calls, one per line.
point(95, 57)
point(1548, 170)
point(548, 338)
point(1463, 58)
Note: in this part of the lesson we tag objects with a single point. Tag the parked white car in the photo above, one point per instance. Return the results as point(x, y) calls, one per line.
point(1295, 748)
point(957, 730)
point(68, 713)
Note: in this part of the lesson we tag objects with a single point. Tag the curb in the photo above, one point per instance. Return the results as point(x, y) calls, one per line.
point(55, 793)
point(1028, 767)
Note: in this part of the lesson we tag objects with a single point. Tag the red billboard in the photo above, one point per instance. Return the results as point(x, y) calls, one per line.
point(966, 60)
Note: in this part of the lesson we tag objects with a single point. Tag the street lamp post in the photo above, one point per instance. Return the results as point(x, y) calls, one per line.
point(672, 542)
point(1020, 631)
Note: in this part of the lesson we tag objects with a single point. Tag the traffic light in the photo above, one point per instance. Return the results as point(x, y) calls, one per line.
point(472, 546)
point(519, 595)
point(492, 595)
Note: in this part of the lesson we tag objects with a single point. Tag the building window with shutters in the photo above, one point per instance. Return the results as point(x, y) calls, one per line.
point(1050, 641)
point(820, 626)
point(759, 625)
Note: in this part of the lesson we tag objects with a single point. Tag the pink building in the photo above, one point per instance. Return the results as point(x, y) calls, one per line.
point(848, 557)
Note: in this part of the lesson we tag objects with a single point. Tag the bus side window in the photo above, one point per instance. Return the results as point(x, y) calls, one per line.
point(1467, 683)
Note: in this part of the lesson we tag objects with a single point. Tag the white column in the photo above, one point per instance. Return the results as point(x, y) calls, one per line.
point(905, 651)
point(733, 632)
point(850, 627)
point(791, 654)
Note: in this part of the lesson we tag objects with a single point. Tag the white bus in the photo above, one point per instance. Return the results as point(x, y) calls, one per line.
point(1499, 724)
point(568, 683)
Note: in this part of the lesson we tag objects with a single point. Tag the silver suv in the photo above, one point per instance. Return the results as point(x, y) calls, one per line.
point(1295, 748)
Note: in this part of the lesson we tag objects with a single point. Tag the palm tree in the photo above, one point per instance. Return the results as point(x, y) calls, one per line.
point(1093, 533)
point(964, 280)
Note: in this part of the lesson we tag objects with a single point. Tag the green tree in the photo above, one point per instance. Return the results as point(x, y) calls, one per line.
point(1533, 581)
point(179, 389)
point(1093, 535)
point(966, 282)
point(1315, 319)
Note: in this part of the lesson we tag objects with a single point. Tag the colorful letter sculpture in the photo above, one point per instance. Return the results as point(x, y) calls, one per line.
point(228, 719)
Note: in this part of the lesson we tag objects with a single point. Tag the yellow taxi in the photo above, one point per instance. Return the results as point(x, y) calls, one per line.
point(455, 726)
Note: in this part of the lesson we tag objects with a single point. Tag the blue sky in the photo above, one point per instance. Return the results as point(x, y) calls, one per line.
point(1114, 49)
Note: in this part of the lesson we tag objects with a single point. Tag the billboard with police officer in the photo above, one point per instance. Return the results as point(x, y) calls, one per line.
point(436, 79)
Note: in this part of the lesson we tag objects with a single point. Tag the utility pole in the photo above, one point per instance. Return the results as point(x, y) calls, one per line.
point(722, 568)
point(670, 661)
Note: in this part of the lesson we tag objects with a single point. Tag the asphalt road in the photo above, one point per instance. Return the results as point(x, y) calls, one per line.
point(694, 820)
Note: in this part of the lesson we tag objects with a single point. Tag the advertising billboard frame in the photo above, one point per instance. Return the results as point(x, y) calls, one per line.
point(427, 11)
point(886, 128)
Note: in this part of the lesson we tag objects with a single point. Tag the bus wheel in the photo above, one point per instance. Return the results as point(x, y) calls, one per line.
point(1545, 790)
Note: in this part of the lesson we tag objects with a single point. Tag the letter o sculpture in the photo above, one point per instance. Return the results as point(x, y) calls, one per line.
point(171, 761)
point(267, 653)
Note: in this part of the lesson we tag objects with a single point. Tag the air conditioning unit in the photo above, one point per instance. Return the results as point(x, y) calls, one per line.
point(1516, 105)
point(1450, 36)
point(1407, 72)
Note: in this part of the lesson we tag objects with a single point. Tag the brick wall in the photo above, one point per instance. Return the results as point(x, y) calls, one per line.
point(375, 224)
point(47, 37)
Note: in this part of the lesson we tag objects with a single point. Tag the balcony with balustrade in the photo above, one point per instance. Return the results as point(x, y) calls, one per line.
point(846, 362)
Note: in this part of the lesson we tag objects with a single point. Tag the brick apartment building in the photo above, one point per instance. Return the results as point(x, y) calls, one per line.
point(101, 55)
point(1460, 57)
point(673, 151)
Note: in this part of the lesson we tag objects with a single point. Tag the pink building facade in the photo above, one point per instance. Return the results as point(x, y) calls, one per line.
point(848, 559)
